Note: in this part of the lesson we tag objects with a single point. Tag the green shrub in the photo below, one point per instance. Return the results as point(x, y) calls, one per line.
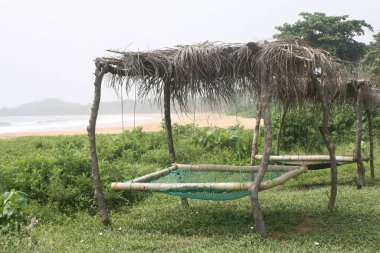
point(12, 207)
point(55, 171)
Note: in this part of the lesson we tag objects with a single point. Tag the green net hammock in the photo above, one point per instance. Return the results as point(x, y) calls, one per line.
point(210, 182)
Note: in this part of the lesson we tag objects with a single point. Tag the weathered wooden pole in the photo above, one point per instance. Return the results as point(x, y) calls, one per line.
point(358, 146)
point(370, 135)
point(99, 73)
point(330, 146)
point(256, 133)
point(169, 132)
point(254, 190)
point(278, 139)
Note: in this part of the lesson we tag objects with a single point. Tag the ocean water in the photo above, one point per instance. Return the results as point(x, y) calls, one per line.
point(20, 124)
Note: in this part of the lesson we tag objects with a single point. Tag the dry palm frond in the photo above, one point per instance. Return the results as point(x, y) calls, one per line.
point(371, 96)
point(220, 72)
point(288, 67)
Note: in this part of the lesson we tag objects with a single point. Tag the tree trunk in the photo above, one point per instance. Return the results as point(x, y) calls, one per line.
point(256, 133)
point(370, 135)
point(330, 146)
point(256, 209)
point(99, 73)
point(278, 139)
point(169, 132)
point(358, 146)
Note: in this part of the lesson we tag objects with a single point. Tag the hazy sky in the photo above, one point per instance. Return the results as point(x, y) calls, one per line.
point(47, 47)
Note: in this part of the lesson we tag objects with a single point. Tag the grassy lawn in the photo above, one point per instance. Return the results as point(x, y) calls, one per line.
point(296, 217)
point(295, 214)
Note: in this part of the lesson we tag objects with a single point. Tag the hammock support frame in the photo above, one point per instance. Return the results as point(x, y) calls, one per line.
point(311, 158)
point(143, 184)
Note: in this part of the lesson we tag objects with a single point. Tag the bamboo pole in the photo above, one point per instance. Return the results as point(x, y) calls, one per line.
point(186, 187)
point(153, 175)
point(196, 187)
point(283, 178)
point(233, 168)
point(311, 158)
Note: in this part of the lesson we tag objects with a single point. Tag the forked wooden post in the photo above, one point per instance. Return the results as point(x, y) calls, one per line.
point(358, 147)
point(256, 133)
point(370, 134)
point(327, 140)
point(169, 132)
point(99, 73)
point(278, 138)
point(254, 195)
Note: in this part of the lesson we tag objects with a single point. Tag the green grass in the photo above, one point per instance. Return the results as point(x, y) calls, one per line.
point(160, 224)
point(295, 213)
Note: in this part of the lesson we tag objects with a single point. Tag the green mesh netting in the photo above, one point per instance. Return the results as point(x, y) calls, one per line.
point(193, 176)
point(315, 165)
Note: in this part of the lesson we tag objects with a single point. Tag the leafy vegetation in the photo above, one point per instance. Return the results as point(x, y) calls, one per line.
point(12, 208)
point(54, 173)
point(370, 63)
point(335, 34)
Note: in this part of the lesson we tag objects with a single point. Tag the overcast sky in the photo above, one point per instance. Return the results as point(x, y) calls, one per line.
point(47, 47)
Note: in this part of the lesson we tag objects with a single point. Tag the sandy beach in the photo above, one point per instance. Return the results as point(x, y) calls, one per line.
point(201, 119)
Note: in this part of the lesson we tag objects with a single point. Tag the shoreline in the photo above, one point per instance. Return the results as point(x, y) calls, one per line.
point(201, 120)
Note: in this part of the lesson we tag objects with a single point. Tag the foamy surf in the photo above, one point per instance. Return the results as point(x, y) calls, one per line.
point(20, 124)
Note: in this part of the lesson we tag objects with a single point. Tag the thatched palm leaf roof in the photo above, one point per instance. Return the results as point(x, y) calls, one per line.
point(217, 71)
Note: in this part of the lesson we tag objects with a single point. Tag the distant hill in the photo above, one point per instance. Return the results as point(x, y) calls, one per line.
point(54, 106)
point(59, 107)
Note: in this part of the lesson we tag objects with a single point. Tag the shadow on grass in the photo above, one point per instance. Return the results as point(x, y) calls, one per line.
point(234, 220)
point(320, 184)
point(214, 218)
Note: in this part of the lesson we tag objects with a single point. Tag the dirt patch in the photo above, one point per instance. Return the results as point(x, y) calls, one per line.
point(276, 235)
point(305, 226)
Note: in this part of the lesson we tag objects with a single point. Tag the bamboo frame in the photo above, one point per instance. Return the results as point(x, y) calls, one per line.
point(233, 168)
point(311, 158)
point(196, 187)
point(153, 175)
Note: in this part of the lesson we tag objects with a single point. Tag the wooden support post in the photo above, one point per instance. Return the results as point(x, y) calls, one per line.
point(370, 135)
point(256, 133)
point(278, 139)
point(330, 146)
point(358, 147)
point(256, 209)
point(169, 132)
point(99, 73)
